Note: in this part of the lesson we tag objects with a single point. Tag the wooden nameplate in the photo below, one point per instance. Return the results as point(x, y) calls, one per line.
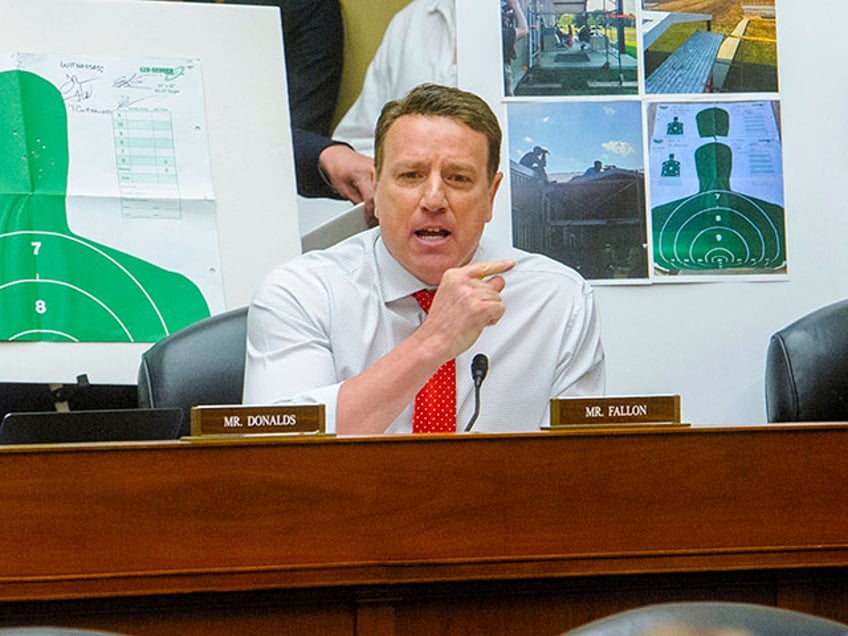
point(615, 412)
point(226, 421)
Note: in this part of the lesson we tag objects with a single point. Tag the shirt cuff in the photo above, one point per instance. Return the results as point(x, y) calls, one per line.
point(326, 395)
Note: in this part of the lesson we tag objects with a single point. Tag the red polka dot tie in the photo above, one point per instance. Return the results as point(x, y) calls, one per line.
point(435, 403)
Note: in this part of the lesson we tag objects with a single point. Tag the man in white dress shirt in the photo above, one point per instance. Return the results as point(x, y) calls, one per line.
point(340, 326)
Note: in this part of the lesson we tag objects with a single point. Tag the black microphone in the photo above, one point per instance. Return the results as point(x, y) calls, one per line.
point(479, 369)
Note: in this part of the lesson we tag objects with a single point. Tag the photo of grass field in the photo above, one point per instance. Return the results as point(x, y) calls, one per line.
point(709, 46)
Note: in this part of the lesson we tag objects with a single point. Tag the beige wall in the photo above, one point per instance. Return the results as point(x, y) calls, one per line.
point(365, 21)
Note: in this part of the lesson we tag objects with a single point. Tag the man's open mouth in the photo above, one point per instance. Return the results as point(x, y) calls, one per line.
point(432, 234)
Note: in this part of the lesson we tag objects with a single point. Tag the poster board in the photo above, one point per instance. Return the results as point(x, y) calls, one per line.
point(707, 340)
point(248, 139)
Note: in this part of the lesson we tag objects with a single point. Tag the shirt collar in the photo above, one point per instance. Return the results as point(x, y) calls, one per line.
point(395, 281)
point(444, 6)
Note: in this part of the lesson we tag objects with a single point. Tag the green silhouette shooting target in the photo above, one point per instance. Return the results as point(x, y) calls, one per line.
point(731, 220)
point(55, 284)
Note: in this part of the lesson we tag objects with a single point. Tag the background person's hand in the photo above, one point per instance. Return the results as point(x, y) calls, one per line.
point(349, 173)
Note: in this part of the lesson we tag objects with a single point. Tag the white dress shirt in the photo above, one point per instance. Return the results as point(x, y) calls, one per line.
point(327, 315)
point(418, 46)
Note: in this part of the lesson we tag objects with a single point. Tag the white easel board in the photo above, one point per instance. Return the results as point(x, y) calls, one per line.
point(244, 85)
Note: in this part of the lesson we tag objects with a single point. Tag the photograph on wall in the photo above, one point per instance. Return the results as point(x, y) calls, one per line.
point(577, 184)
point(108, 229)
point(716, 189)
point(569, 47)
point(709, 46)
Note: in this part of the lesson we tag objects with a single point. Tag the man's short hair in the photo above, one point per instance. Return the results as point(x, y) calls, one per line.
point(442, 101)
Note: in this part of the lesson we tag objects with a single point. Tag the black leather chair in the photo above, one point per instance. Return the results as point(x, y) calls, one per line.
point(807, 368)
point(710, 619)
point(200, 364)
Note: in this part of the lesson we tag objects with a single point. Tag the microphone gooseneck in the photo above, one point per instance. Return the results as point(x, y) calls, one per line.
point(479, 369)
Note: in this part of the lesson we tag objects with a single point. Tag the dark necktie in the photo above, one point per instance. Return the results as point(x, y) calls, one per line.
point(435, 403)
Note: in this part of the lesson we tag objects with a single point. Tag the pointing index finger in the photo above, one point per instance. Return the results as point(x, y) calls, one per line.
point(490, 268)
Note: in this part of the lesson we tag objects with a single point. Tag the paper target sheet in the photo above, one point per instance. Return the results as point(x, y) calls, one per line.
point(108, 228)
point(717, 188)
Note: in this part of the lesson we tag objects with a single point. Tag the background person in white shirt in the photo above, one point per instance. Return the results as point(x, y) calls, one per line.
point(419, 46)
point(340, 327)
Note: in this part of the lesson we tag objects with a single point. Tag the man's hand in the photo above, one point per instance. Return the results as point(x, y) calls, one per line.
point(467, 301)
point(349, 173)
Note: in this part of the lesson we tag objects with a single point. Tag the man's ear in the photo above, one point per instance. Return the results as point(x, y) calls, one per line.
point(493, 191)
point(372, 173)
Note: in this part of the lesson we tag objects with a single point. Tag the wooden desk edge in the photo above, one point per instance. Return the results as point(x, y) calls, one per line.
point(265, 439)
point(103, 585)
